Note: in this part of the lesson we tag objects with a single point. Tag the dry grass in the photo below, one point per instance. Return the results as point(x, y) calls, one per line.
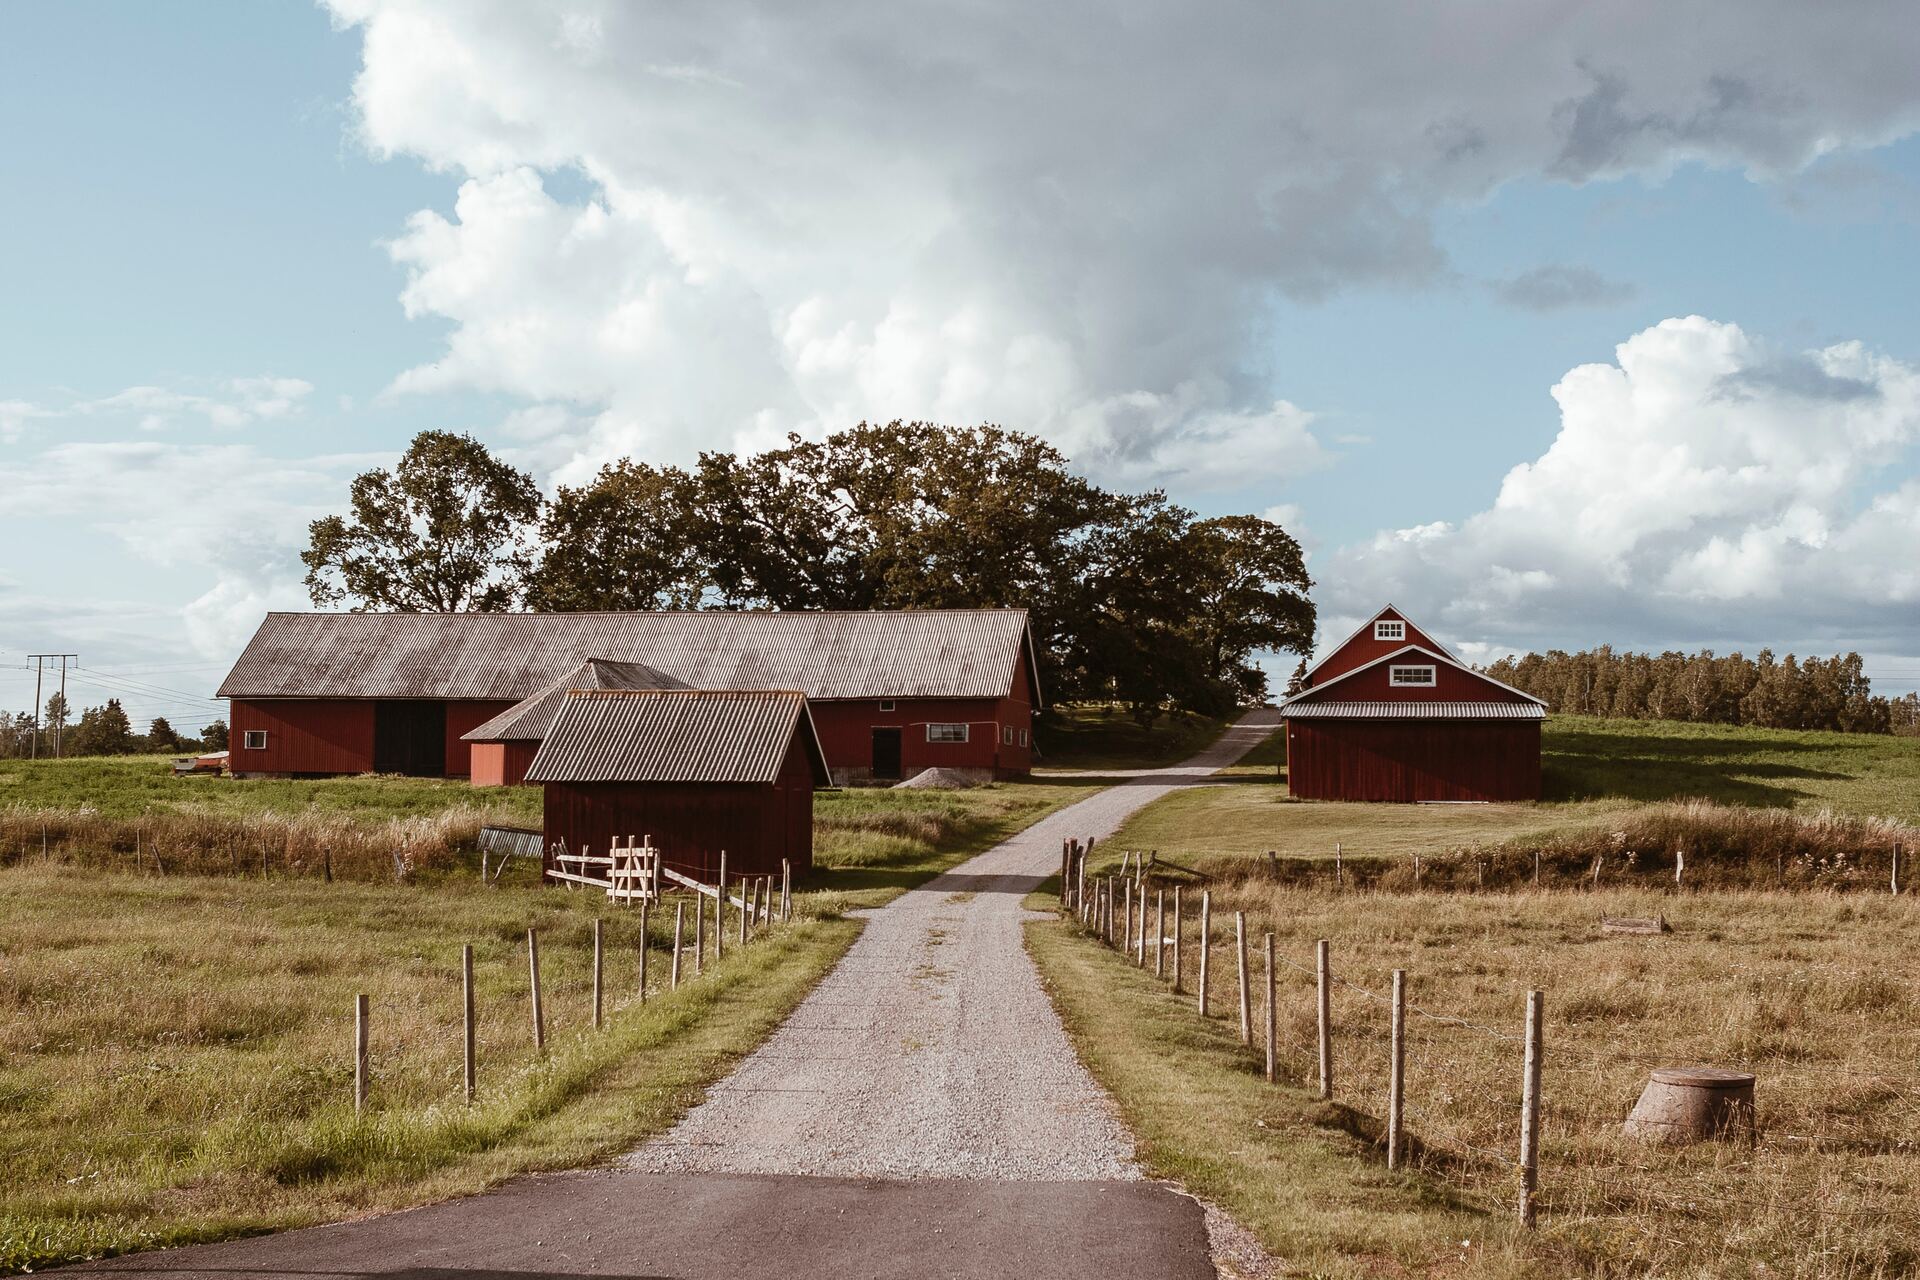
point(1817, 993)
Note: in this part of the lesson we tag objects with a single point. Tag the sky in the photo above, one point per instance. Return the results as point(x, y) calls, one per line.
point(1554, 324)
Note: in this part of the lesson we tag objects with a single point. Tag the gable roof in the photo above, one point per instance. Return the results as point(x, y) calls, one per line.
point(675, 735)
point(1398, 613)
point(1416, 711)
point(505, 657)
point(529, 719)
point(1312, 694)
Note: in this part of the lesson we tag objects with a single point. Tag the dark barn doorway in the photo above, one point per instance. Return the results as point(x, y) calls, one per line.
point(410, 737)
point(886, 753)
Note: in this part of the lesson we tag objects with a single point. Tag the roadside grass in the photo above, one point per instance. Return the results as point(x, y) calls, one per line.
point(177, 1064)
point(1816, 993)
point(1094, 736)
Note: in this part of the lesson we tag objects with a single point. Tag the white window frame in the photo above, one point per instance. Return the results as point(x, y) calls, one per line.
point(1389, 629)
point(1006, 735)
point(253, 740)
point(1394, 673)
point(886, 704)
point(1023, 737)
point(947, 731)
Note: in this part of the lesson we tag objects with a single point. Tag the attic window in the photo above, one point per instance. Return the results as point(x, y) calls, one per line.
point(1411, 676)
point(254, 740)
point(1390, 631)
point(886, 704)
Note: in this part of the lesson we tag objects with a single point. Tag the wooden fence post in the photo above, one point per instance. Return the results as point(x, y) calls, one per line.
point(1324, 973)
point(1273, 1024)
point(1679, 866)
point(533, 982)
point(1397, 1072)
point(646, 911)
point(1339, 871)
point(1080, 881)
point(720, 912)
point(1140, 933)
point(1246, 989)
point(679, 922)
point(699, 933)
point(1159, 933)
point(747, 889)
point(599, 959)
point(1066, 876)
point(1530, 1111)
point(361, 1017)
point(1126, 916)
point(1206, 944)
point(1894, 881)
point(466, 1001)
point(786, 891)
point(1177, 921)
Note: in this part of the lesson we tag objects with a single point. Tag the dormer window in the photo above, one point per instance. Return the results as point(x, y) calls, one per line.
point(1389, 630)
point(1411, 677)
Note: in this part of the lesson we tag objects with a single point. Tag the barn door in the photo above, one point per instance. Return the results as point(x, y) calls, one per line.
point(410, 737)
point(886, 753)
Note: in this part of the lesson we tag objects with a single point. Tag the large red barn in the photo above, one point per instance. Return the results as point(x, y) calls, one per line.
point(1391, 715)
point(891, 693)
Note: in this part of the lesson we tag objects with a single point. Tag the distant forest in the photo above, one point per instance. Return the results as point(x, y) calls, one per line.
point(1708, 688)
point(100, 731)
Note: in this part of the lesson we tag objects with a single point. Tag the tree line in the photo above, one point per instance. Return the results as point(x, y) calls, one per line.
point(1133, 598)
point(1709, 688)
point(100, 731)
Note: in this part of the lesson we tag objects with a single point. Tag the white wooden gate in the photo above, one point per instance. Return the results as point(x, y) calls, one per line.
point(627, 872)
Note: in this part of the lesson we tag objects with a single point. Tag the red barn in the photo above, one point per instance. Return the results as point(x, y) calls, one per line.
point(1391, 715)
point(504, 746)
point(891, 693)
point(701, 771)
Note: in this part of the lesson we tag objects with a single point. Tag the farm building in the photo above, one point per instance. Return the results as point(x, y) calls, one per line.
point(891, 693)
point(1391, 715)
point(700, 771)
point(502, 748)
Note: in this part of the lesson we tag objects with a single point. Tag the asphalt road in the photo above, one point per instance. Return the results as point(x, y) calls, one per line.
point(921, 1114)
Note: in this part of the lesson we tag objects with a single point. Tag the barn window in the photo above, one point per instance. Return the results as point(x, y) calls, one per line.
point(1390, 631)
point(886, 704)
point(255, 739)
point(1023, 737)
point(1006, 735)
point(1411, 676)
point(946, 733)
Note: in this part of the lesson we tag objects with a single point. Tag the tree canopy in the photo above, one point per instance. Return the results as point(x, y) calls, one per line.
point(1132, 597)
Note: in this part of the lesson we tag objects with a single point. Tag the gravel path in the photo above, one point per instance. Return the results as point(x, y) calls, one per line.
point(931, 1050)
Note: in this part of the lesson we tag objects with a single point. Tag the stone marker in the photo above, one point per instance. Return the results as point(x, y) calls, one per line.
point(1688, 1104)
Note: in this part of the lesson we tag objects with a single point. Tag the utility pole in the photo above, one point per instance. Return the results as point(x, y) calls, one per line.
point(39, 663)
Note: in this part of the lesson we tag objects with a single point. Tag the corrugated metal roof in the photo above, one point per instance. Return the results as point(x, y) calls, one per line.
point(527, 721)
point(1413, 711)
point(697, 735)
point(930, 653)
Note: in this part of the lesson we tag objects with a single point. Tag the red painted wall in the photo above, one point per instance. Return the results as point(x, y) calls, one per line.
point(501, 764)
point(303, 736)
point(464, 718)
point(1363, 648)
point(846, 734)
point(691, 823)
point(1451, 684)
point(1411, 760)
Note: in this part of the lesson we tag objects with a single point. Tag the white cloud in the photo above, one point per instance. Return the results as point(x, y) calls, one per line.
point(1704, 485)
point(237, 402)
point(1069, 219)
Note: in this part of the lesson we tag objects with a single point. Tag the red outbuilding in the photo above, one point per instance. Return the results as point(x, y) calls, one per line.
point(698, 771)
point(1391, 715)
point(892, 693)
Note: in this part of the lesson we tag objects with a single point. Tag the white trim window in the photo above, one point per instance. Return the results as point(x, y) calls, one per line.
point(1389, 630)
point(1023, 737)
point(886, 704)
point(1412, 677)
point(1006, 735)
point(254, 740)
point(947, 732)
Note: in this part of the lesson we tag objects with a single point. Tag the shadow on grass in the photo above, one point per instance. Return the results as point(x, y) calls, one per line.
point(1589, 766)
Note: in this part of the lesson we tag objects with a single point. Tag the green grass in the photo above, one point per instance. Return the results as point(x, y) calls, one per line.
point(1596, 772)
point(1103, 736)
point(175, 1058)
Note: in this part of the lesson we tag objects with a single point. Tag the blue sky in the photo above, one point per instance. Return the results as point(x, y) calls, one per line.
point(218, 207)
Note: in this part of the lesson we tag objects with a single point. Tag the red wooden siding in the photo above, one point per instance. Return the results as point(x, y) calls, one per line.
point(501, 764)
point(1411, 760)
point(462, 718)
point(757, 824)
point(846, 733)
point(320, 735)
point(1363, 648)
point(1451, 684)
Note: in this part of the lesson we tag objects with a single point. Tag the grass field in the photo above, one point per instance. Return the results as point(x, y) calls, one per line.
point(1596, 772)
point(1816, 994)
point(1104, 736)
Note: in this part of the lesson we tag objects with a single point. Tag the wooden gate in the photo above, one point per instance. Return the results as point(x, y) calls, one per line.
point(627, 872)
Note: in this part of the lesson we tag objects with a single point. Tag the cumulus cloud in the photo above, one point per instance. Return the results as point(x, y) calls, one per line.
point(1559, 288)
point(237, 402)
point(1703, 486)
point(702, 227)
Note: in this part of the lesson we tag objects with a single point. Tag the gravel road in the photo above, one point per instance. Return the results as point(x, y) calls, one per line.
point(931, 1050)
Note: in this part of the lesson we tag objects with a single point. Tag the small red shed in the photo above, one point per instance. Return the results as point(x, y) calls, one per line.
point(1391, 715)
point(701, 771)
point(504, 746)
